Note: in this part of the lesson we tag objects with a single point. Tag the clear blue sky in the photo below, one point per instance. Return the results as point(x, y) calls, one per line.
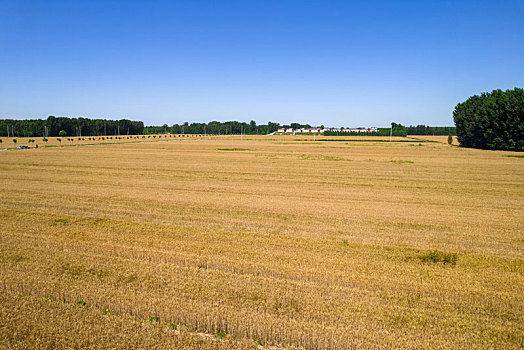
point(338, 63)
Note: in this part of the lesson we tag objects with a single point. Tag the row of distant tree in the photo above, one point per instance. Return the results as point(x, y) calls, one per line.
point(234, 127)
point(431, 130)
point(63, 126)
point(221, 128)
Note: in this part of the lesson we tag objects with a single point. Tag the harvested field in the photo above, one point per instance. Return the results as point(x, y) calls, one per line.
point(272, 241)
point(68, 141)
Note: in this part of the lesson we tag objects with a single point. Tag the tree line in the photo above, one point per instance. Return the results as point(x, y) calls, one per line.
point(221, 128)
point(63, 126)
point(431, 130)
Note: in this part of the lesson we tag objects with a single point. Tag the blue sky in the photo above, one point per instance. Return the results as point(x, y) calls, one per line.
point(337, 63)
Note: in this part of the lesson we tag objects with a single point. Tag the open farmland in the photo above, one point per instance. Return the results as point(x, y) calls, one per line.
point(272, 241)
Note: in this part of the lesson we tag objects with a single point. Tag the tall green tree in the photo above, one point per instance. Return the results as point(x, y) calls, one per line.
point(493, 120)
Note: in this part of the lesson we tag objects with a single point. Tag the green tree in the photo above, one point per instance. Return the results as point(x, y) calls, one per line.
point(252, 127)
point(14, 141)
point(450, 139)
point(492, 120)
point(62, 133)
point(398, 129)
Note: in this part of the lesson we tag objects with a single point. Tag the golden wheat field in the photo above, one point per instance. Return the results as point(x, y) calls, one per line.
point(265, 242)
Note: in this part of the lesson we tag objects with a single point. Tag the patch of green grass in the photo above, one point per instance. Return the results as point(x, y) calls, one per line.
point(514, 156)
point(321, 157)
point(220, 334)
point(261, 342)
point(59, 222)
point(269, 156)
point(400, 161)
point(436, 256)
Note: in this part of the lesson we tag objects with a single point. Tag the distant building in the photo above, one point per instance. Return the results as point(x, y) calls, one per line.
point(321, 131)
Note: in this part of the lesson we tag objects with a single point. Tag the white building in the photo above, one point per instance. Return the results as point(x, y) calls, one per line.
point(321, 131)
